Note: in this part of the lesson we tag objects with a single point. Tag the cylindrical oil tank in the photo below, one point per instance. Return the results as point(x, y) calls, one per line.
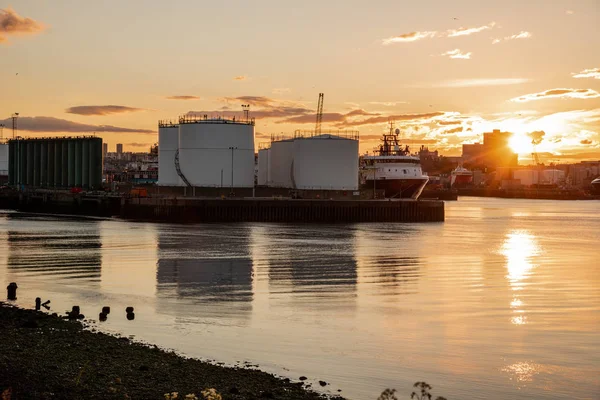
point(95, 163)
point(326, 162)
point(85, 164)
point(50, 163)
point(78, 157)
point(37, 147)
point(11, 162)
point(553, 176)
point(4, 161)
point(168, 144)
point(65, 163)
point(263, 167)
point(29, 162)
point(527, 177)
point(43, 163)
point(214, 148)
point(281, 158)
point(23, 149)
point(58, 163)
point(71, 160)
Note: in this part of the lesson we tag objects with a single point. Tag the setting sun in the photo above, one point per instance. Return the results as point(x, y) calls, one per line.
point(521, 144)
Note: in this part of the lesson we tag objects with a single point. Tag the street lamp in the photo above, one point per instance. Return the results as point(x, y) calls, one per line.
point(14, 122)
point(232, 149)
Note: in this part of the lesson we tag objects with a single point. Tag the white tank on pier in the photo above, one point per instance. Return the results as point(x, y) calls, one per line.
point(281, 163)
point(263, 167)
point(168, 143)
point(327, 162)
point(210, 149)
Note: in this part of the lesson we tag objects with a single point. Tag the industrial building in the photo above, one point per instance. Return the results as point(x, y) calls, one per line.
point(309, 161)
point(3, 163)
point(65, 162)
point(206, 152)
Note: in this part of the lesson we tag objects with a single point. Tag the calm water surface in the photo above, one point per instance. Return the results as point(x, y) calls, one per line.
point(502, 301)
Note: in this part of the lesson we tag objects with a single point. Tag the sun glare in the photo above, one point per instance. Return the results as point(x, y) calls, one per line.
point(521, 144)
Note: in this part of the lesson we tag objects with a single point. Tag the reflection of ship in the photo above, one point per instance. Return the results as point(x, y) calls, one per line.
point(393, 169)
point(596, 186)
point(461, 177)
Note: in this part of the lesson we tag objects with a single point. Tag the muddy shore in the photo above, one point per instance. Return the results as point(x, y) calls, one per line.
point(46, 357)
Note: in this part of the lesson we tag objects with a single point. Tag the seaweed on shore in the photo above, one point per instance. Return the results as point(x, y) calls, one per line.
point(45, 357)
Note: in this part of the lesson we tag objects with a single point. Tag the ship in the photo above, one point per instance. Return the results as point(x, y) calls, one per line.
point(461, 177)
point(393, 169)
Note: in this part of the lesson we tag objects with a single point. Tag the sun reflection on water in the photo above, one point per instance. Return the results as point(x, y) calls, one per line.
point(519, 248)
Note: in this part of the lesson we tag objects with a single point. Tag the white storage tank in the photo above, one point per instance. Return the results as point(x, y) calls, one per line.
point(168, 143)
point(281, 159)
point(263, 167)
point(211, 149)
point(553, 176)
point(326, 162)
point(3, 160)
point(527, 177)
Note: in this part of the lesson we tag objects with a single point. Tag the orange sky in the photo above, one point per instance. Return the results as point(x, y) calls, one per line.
point(445, 73)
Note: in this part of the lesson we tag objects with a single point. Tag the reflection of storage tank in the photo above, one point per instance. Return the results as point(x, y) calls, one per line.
point(210, 149)
point(168, 143)
point(281, 158)
point(326, 162)
point(263, 167)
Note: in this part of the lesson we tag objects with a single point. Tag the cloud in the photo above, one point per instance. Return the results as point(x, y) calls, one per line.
point(453, 130)
point(482, 82)
point(240, 78)
point(588, 73)
point(281, 90)
point(12, 23)
point(260, 101)
point(536, 136)
point(469, 31)
point(520, 35)
point(135, 144)
point(51, 124)
point(183, 97)
point(456, 53)
point(409, 37)
point(388, 103)
point(443, 123)
point(101, 110)
point(586, 142)
point(569, 12)
point(386, 118)
point(559, 93)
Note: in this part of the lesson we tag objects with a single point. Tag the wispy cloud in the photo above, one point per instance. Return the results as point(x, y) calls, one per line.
point(182, 97)
point(559, 93)
point(240, 78)
point(281, 90)
point(569, 12)
point(520, 35)
point(101, 110)
point(588, 73)
point(456, 53)
point(12, 23)
point(409, 37)
point(469, 31)
point(51, 124)
point(482, 82)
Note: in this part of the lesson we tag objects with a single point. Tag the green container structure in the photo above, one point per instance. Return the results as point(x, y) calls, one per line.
point(59, 163)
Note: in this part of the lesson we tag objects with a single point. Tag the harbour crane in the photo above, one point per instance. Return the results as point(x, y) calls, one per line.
point(319, 114)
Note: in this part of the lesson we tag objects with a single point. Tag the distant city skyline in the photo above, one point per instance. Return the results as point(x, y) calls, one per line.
point(446, 73)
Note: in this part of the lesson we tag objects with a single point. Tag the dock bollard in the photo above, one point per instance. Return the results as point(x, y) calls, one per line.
point(130, 314)
point(106, 310)
point(38, 304)
point(102, 317)
point(11, 291)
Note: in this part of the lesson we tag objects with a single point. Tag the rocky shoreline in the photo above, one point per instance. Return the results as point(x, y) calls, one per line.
point(46, 357)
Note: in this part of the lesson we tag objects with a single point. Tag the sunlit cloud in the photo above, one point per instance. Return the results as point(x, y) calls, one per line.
point(520, 35)
point(12, 23)
point(183, 97)
point(559, 93)
point(569, 12)
point(588, 73)
point(456, 53)
point(469, 31)
point(409, 37)
point(240, 78)
point(483, 82)
point(101, 110)
point(53, 125)
point(281, 90)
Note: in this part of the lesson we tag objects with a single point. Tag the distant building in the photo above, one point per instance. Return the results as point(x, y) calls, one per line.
point(104, 149)
point(497, 150)
point(119, 148)
point(473, 155)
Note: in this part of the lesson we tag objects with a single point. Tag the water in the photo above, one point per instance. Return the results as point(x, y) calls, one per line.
point(502, 301)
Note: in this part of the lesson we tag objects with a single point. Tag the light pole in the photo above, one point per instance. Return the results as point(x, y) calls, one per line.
point(1, 132)
point(232, 149)
point(14, 122)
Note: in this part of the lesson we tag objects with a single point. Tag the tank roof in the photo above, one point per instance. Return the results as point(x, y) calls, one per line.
point(195, 119)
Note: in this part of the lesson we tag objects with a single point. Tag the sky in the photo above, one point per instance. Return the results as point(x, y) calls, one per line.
point(445, 72)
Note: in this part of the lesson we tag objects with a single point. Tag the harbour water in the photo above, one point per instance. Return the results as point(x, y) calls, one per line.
point(501, 301)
